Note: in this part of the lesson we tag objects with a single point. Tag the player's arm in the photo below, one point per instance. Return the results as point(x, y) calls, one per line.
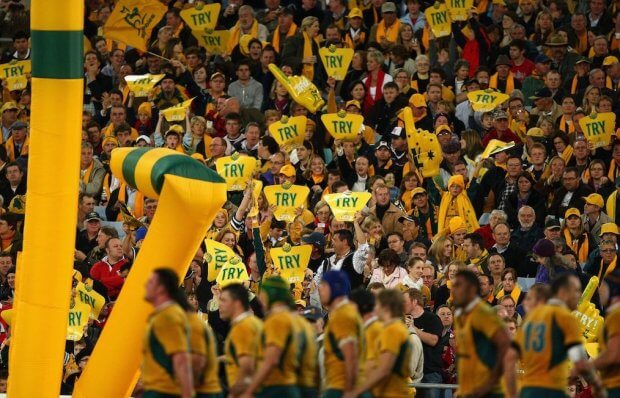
point(244, 374)
point(198, 366)
point(349, 352)
point(578, 356)
point(502, 342)
point(609, 357)
point(270, 361)
point(386, 364)
point(181, 363)
point(510, 371)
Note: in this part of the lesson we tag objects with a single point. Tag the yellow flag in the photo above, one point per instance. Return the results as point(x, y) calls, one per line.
point(233, 271)
point(287, 198)
point(343, 126)
point(132, 21)
point(78, 320)
point(201, 16)
point(486, 100)
point(336, 60)
point(344, 205)
point(257, 188)
point(289, 132)
point(598, 128)
point(496, 146)
point(214, 41)
point(438, 18)
point(86, 295)
point(589, 317)
point(301, 90)
point(236, 170)
point(458, 9)
point(141, 85)
point(15, 73)
point(292, 261)
point(217, 255)
point(17, 82)
point(424, 146)
point(177, 112)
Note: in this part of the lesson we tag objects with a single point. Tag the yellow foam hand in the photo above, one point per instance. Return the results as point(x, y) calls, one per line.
point(588, 315)
point(302, 90)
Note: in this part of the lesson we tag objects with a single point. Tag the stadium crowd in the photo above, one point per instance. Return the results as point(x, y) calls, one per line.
point(521, 215)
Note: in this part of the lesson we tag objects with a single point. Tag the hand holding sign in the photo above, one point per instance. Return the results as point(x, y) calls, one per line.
point(291, 261)
point(141, 85)
point(216, 257)
point(587, 314)
point(236, 170)
point(343, 126)
point(438, 18)
point(16, 73)
point(257, 188)
point(286, 198)
point(336, 60)
point(346, 204)
point(598, 128)
point(233, 271)
point(458, 9)
point(201, 17)
point(289, 132)
point(486, 100)
point(302, 90)
point(425, 149)
point(214, 41)
point(177, 112)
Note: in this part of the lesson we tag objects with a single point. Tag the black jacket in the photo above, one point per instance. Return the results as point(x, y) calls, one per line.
point(556, 209)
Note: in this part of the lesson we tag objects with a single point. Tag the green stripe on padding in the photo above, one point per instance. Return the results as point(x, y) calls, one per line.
point(182, 166)
point(129, 165)
point(57, 54)
point(485, 349)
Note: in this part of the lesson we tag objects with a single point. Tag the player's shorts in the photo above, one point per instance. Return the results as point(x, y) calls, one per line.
point(338, 394)
point(209, 395)
point(309, 392)
point(155, 394)
point(279, 392)
point(613, 392)
point(536, 392)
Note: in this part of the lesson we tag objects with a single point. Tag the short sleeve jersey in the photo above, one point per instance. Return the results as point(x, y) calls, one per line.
point(610, 376)
point(167, 333)
point(371, 346)
point(281, 331)
point(543, 341)
point(394, 339)
point(477, 354)
point(344, 325)
point(308, 373)
point(202, 342)
point(243, 339)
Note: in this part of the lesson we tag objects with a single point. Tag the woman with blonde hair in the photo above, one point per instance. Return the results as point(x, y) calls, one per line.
point(441, 252)
point(196, 139)
point(303, 47)
point(471, 143)
point(591, 98)
point(220, 222)
point(444, 291)
point(279, 98)
point(543, 28)
point(229, 237)
point(411, 180)
point(376, 78)
point(407, 38)
point(420, 79)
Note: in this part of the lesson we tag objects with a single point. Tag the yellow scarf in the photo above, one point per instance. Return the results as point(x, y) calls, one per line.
point(463, 206)
point(235, 34)
point(349, 41)
point(611, 174)
point(308, 69)
point(568, 153)
point(614, 43)
point(582, 250)
point(582, 43)
point(610, 84)
point(510, 83)
point(10, 149)
point(516, 292)
point(609, 270)
point(482, 7)
point(611, 205)
point(476, 261)
point(275, 42)
point(573, 86)
point(568, 128)
point(390, 33)
point(87, 173)
point(138, 210)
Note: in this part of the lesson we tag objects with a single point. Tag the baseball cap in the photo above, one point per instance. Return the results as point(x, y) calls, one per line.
point(301, 303)
point(8, 106)
point(354, 103)
point(442, 128)
point(218, 74)
point(535, 132)
point(572, 212)
point(388, 7)
point(418, 191)
point(145, 138)
point(500, 115)
point(583, 59)
point(595, 199)
point(552, 223)
point(417, 100)
point(542, 93)
point(610, 60)
point(381, 144)
point(406, 218)
point(92, 216)
point(609, 228)
point(355, 13)
point(315, 238)
point(18, 125)
point(542, 59)
point(288, 170)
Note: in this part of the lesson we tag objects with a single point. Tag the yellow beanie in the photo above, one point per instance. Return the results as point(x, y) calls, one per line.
point(145, 108)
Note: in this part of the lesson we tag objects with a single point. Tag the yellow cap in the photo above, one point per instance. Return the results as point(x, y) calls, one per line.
point(610, 60)
point(417, 100)
point(572, 212)
point(355, 103)
point(595, 200)
point(8, 105)
point(355, 13)
point(499, 2)
point(535, 132)
point(287, 170)
point(457, 224)
point(417, 191)
point(609, 228)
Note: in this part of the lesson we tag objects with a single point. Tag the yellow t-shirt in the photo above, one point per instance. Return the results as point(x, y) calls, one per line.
point(476, 352)
point(394, 338)
point(280, 330)
point(307, 350)
point(372, 330)
point(243, 339)
point(202, 342)
point(167, 333)
point(611, 376)
point(344, 325)
point(543, 339)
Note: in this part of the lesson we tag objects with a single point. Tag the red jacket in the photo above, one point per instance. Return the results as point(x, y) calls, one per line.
point(487, 236)
point(109, 275)
point(507, 136)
